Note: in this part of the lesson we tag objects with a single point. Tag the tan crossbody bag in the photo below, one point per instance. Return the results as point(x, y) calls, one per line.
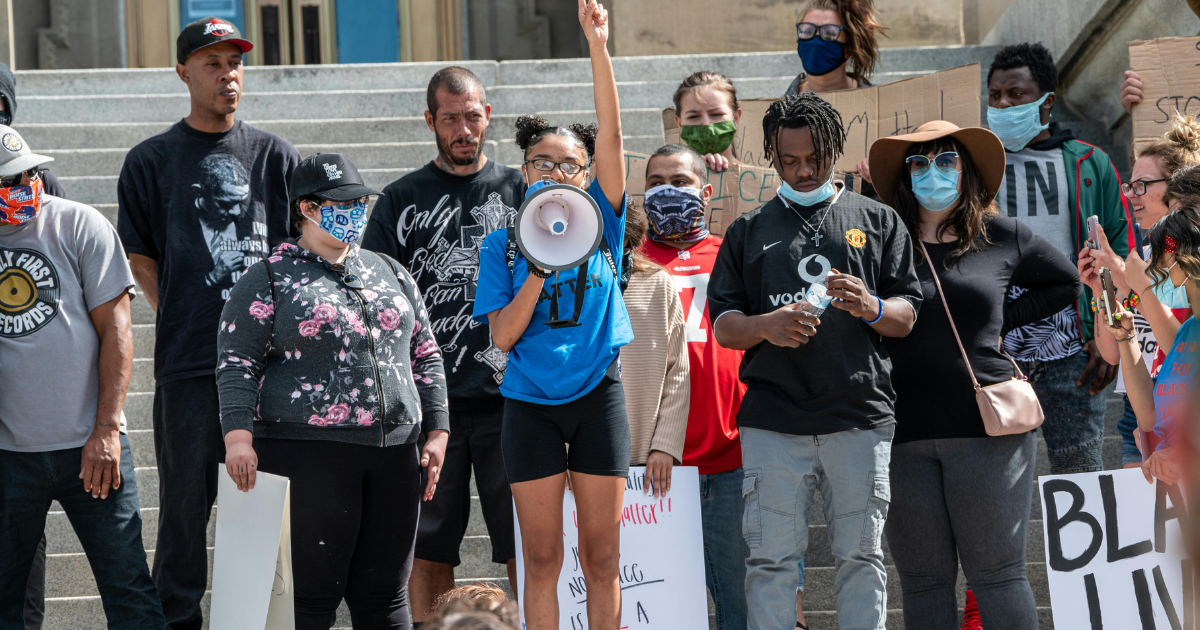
point(1007, 408)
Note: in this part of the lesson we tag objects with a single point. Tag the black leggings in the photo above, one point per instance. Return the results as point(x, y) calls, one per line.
point(354, 522)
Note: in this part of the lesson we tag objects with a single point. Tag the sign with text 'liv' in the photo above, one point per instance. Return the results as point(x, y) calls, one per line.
point(1114, 552)
point(662, 559)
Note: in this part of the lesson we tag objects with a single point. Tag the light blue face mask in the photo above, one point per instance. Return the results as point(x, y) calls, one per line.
point(810, 198)
point(1017, 125)
point(1170, 295)
point(935, 189)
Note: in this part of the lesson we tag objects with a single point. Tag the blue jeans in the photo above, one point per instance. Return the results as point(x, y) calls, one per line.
point(850, 468)
point(724, 549)
point(1126, 427)
point(110, 531)
point(1074, 426)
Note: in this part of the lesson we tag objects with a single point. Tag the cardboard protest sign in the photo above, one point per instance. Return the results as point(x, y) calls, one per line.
point(736, 191)
point(662, 558)
point(1114, 551)
point(1170, 71)
point(868, 113)
point(252, 563)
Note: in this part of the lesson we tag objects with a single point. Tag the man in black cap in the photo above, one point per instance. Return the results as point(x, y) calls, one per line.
point(198, 204)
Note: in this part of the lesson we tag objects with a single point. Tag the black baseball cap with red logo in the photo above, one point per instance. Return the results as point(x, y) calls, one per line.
point(206, 32)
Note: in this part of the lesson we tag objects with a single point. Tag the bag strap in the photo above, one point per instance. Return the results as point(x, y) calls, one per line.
point(953, 328)
point(270, 279)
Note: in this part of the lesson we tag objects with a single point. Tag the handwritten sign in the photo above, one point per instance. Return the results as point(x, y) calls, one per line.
point(1170, 71)
point(1114, 552)
point(662, 558)
point(252, 562)
point(867, 113)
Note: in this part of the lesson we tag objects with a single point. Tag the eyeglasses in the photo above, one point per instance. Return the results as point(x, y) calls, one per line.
point(8, 181)
point(1138, 188)
point(945, 162)
point(567, 168)
point(807, 30)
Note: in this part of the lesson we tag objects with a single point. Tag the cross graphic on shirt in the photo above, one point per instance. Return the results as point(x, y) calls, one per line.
point(495, 358)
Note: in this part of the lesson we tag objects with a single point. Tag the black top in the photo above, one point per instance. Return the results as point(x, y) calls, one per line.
point(934, 396)
point(841, 379)
point(433, 223)
point(206, 206)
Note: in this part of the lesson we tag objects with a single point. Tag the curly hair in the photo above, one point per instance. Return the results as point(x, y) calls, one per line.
point(1179, 147)
point(796, 111)
point(969, 219)
point(1184, 187)
point(1028, 55)
point(531, 130)
point(1182, 227)
point(861, 23)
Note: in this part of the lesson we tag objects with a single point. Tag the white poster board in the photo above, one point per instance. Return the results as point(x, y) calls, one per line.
point(252, 563)
point(1114, 551)
point(662, 558)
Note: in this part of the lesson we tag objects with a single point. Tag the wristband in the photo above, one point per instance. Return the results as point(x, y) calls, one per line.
point(876, 321)
point(535, 271)
point(1131, 336)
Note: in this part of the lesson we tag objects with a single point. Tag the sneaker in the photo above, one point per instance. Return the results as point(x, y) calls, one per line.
point(971, 619)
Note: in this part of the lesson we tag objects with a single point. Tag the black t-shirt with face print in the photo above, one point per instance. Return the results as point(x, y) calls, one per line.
point(433, 222)
point(206, 206)
point(840, 379)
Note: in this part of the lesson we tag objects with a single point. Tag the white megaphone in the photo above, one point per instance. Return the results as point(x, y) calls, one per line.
point(559, 226)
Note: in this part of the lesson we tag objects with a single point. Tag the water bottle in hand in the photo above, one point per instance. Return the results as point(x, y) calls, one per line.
point(816, 299)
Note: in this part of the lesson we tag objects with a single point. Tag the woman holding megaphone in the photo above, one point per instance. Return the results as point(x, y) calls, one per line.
point(562, 385)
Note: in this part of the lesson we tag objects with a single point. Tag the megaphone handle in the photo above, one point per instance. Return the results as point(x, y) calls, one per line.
point(581, 278)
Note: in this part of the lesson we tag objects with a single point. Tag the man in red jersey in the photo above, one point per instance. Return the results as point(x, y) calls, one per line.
point(676, 196)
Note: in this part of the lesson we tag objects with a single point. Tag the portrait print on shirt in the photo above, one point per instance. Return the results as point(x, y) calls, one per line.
point(234, 239)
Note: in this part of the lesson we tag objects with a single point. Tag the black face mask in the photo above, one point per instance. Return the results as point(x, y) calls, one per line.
point(5, 118)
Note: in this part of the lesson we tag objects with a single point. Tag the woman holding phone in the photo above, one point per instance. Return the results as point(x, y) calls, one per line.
point(562, 385)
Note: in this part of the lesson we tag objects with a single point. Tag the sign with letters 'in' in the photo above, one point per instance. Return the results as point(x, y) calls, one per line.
point(252, 563)
point(1170, 71)
point(662, 558)
point(1114, 552)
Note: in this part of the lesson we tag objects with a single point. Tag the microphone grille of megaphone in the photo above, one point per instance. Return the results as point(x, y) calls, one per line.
point(559, 227)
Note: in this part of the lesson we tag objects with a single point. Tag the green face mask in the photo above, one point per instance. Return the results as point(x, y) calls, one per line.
point(711, 138)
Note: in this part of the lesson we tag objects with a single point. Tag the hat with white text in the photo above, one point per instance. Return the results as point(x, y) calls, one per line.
point(206, 32)
point(330, 176)
point(15, 156)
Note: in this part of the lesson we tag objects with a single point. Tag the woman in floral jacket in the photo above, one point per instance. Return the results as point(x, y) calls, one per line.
point(328, 374)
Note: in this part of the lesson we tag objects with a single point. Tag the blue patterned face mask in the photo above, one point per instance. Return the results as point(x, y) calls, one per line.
point(1017, 125)
point(344, 221)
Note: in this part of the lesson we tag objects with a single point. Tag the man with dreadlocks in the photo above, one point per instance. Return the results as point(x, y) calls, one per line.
point(818, 409)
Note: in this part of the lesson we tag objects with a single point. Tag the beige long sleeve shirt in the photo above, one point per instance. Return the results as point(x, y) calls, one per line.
point(654, 368)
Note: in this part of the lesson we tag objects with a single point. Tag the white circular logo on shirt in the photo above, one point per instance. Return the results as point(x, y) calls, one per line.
point(29, 292)
point(805, 265)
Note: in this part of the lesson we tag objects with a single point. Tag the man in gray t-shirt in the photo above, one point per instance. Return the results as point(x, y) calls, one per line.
point(66, 353)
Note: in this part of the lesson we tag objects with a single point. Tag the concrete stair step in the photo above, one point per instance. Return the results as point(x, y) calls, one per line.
point(370, 155)
point(51, 136)
point(60, 537)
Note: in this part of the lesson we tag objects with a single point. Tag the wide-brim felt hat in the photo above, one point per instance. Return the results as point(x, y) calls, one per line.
point(888, 155)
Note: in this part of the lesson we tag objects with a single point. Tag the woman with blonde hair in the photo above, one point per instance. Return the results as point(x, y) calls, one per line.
point(707, 113)
point(836, 41)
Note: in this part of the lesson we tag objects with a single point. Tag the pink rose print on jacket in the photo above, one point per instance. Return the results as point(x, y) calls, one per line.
point(389, 319)
point(338, 414)
point(427, 347)
point(324, 313)
point(310, 328)
point(363, 417)
point(260, 310)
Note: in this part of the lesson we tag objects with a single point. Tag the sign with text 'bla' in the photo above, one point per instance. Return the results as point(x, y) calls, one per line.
point(1114, 552)
point(662, 559)
point(1170, 71)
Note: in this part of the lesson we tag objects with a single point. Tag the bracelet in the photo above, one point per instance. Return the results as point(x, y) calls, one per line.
point(1132, 335)
point(1132, 301)
point(535, 271)
point(876, 321)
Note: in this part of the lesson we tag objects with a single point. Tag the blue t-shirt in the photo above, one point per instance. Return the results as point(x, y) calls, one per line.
point(1170, 388)
point(554, 366)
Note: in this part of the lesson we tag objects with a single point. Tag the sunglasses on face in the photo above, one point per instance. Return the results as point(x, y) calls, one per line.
point(945, 162)
point(1138, 188)
point(828, 32)
point(8, 181)
point(567, 168)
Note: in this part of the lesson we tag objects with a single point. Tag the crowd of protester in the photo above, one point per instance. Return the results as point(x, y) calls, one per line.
point(380, 363)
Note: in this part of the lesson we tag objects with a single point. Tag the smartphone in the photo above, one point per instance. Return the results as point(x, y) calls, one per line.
point(1109, 295)
point(1137, 239)
point(1093, 239)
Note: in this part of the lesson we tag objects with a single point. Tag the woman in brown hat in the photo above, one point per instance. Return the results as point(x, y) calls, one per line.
point(956, 492)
